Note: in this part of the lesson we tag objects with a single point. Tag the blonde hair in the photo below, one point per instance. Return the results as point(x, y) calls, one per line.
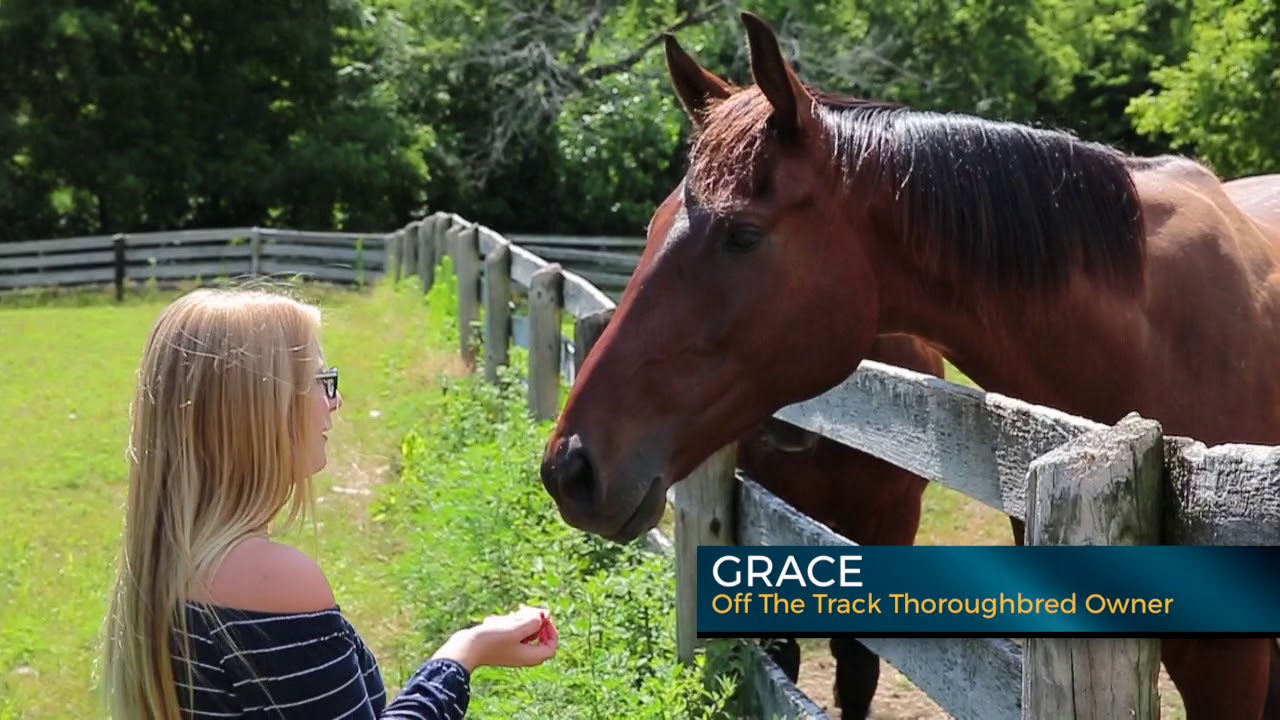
point(216, 451)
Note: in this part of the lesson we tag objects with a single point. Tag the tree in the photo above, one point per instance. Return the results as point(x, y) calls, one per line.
point(1222, 100)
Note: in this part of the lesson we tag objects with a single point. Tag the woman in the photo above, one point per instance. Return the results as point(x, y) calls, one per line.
point(210, 617)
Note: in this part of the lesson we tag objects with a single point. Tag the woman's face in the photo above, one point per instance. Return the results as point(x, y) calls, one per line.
point(325, 399)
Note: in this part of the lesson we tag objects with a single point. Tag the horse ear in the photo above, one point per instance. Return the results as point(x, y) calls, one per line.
point(792, 103)
point(695, 86)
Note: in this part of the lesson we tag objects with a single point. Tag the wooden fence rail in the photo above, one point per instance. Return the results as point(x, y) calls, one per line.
point(348, 258)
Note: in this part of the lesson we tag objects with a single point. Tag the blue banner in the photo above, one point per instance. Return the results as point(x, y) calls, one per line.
point(940, 591)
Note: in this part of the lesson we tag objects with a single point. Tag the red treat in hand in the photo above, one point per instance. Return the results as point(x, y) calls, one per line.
point(544, 631)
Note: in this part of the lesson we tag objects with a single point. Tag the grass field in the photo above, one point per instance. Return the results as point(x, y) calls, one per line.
point(66, 374)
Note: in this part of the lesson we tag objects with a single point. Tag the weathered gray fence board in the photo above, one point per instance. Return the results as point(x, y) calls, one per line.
point(55, 245)
point(981, 444)
point(496, 280)
point(581, 298)
point(271, 267)
point(621, 261)
point(973, 678)
point(773, 694)
point(58, 277)
point(183, 271)
point(577, 240)
point(371, 239)
point(523, 262)
point(703, 507)
point(1102, 488)
point(204, 251)
point(180, 237)
point(63, 260)
point(1221, 495)
point(976, 678)
point(331, 253)
point(605, 280)
point(546, 345)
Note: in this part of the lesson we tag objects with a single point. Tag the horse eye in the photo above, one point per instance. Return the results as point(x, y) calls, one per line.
point(742, 238)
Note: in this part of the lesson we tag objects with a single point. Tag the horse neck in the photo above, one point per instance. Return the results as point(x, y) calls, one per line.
point(1074, 353)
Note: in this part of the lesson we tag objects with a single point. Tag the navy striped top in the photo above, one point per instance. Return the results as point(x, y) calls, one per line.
point(251, 664)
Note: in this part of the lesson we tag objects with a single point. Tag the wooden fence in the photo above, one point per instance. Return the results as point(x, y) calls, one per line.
point(347, 258)
point(163, 257)
point(606, 262)
point(1074, 481)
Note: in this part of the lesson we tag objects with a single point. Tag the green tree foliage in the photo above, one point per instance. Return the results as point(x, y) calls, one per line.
point(1222, 100)
point(553, 116)
point(139, 115)
point(1104, 52)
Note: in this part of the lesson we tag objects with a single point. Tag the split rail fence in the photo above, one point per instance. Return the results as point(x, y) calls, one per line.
point(1074, 482)
point(129, 259)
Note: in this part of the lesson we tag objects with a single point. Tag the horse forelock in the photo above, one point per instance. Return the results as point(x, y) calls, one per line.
point(728, 152)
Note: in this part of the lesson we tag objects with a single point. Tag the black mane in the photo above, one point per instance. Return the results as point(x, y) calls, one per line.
point(1003, 204)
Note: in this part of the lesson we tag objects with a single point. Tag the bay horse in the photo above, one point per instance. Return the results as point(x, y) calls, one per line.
point(1045, 267)
point(859, 496)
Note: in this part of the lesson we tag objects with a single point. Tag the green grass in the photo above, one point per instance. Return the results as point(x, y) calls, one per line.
point(66, 375)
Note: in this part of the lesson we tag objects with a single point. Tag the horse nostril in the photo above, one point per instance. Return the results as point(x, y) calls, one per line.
point(577, 479)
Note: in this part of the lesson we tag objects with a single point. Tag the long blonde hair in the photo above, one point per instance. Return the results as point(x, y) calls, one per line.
point(216, 451)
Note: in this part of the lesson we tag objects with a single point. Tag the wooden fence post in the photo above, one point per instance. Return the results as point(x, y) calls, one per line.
point(1102, 488)
point(255, 252)
point(545, 307)
point(409, 241)
point(705, 514)
point(449, 242)
point(586, 331)
point(118, 245)
point(393, 255)
point(427, 252)
point(497, 310)
point(466, 261)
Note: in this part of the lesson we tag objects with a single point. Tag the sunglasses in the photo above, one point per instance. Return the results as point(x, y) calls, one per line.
point(329, 376)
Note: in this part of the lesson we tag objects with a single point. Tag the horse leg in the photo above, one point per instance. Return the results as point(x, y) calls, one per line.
point(785, 653)
point(1222, 678)
point(882, 507)
point(857, 676)
point(1019, 531)
point(1272, 711)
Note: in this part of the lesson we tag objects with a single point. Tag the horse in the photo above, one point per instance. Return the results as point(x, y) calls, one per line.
point(1044, 266)
point(857, 495)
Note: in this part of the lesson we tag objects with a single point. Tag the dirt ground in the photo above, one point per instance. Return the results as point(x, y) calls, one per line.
point(898, 699)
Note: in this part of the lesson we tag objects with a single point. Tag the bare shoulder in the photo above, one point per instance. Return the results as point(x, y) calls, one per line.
point(269, 577)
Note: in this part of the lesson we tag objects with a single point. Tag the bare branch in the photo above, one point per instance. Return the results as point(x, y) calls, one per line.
point(594, 20)
point(599, 71)
point(539, 62)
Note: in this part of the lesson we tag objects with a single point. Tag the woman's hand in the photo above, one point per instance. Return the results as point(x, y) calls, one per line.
point(500, 640)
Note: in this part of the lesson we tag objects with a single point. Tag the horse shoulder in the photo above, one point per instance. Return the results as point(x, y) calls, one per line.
point(1213, 295)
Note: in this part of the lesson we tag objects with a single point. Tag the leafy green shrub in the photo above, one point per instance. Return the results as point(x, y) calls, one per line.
point(484, 538)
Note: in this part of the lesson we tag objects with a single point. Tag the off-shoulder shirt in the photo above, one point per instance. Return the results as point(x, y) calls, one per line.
point(251, 664)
